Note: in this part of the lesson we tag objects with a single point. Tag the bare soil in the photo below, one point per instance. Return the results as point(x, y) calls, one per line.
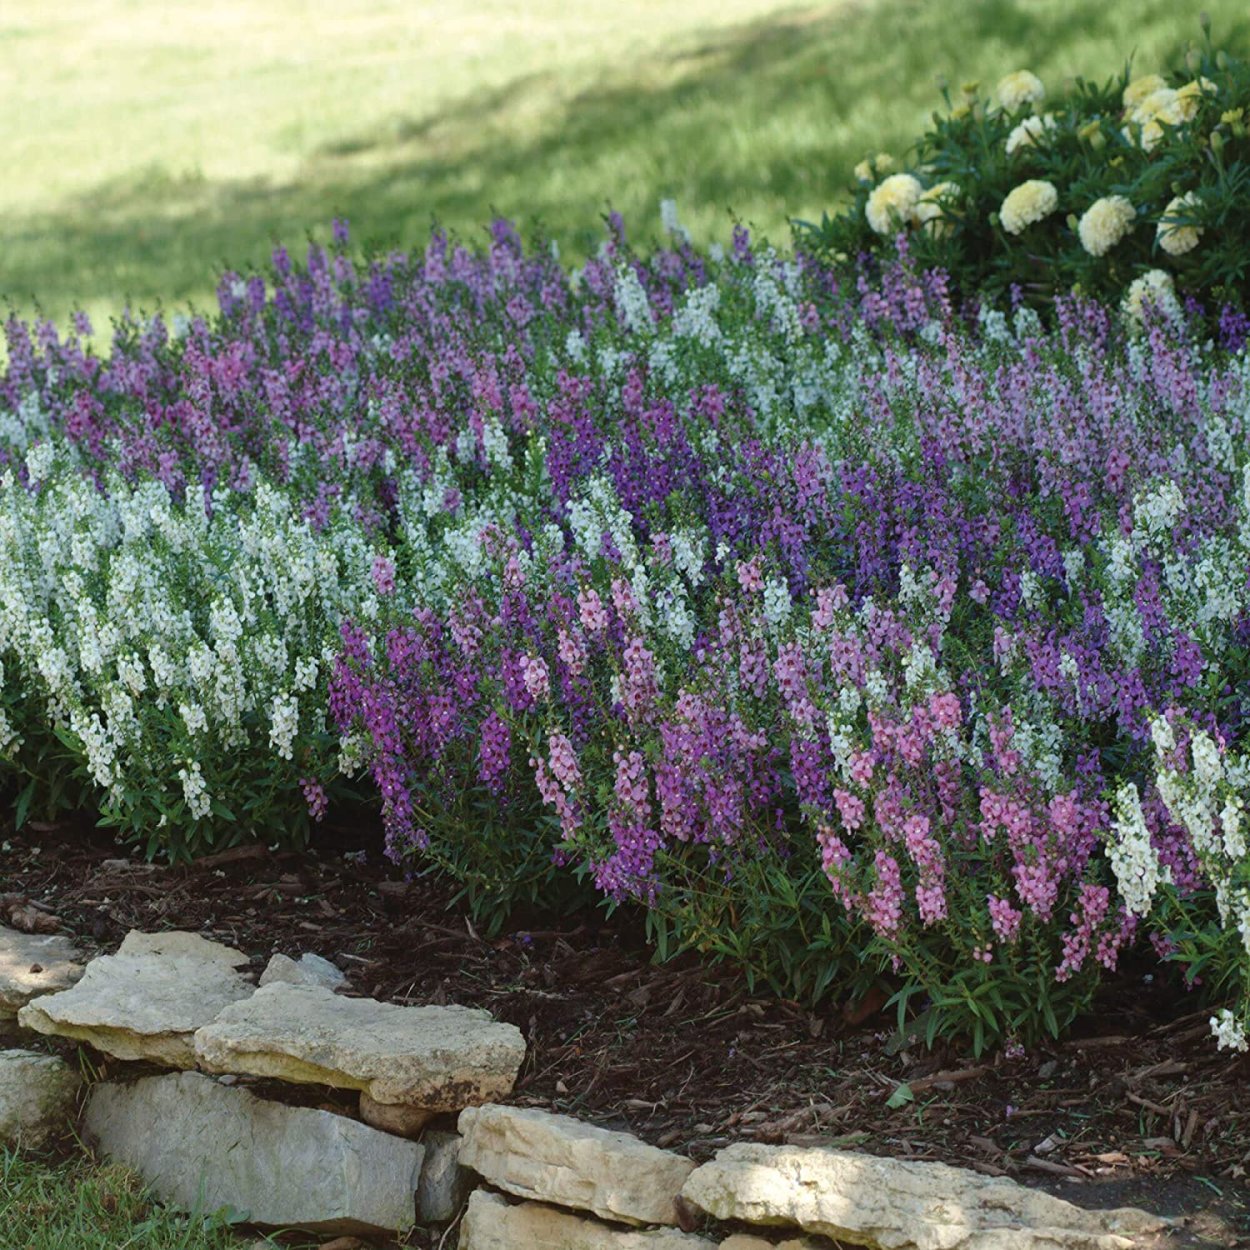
point(1136, 1107)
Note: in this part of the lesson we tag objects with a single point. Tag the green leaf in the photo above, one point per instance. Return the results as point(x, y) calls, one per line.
point(22, 808)
point(901, 1097)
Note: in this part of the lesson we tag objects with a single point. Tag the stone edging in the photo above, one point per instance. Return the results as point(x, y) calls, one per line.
point(554, 1182)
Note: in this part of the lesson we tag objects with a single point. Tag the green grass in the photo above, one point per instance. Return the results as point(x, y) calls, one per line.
point(75, 1204)
point(150, 142)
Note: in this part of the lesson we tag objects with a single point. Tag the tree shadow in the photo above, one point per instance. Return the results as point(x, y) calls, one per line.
point(763, 120)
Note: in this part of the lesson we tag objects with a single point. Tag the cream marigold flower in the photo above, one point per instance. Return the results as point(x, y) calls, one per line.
point(1173, 237)
point(1026, 204)
point(891, 203)
point(1104, 223)
point(1162, 108)
point(1155, 289)
point(1018, 89)
point(1160, 103)
point(1192, 92)
point(1140, 88)
point(1029, 131)
point(872, 167)
point(929, 214)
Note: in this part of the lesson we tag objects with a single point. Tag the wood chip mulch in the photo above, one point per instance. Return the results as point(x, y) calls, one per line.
point(1136, 1107)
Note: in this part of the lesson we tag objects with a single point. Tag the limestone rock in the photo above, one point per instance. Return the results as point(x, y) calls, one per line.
point(397, 1118)
point(491, 1223)
point(894, 1204)
point(554, 1158)
point(745, 1241)
point(429, 1058)
point(195, 1141)
point(37, 1097)
point(146, 1001)
point(308, 969)
point(32, 964)
point(180, 944)
point(444, 1183)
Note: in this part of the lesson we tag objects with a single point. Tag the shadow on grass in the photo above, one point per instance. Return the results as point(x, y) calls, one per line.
point(763, 121)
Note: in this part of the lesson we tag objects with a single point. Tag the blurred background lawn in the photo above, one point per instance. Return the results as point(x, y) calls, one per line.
point(146, 144)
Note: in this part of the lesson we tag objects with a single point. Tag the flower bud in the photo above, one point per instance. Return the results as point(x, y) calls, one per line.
point(1217, 142)
point(1091, 133)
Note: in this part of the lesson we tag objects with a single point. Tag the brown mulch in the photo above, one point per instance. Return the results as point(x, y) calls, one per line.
point(1136, 1106)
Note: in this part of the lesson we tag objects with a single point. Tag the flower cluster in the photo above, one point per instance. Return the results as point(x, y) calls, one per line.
point(833, 628)
point(1096, 188)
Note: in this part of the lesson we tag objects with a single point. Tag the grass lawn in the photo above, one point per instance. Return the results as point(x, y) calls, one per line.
point(77, 1205)
point(150, 142)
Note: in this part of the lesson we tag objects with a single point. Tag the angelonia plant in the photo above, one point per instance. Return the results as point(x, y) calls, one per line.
point(852, 637)
point(1136, 189)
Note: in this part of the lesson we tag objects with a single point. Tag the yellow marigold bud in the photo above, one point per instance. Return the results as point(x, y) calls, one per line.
point(890, 205)
point(872, 167)
point(1018, 89)
point(1104, 223)
point(1173, 237)
point(1026, 204)
point(1230, 117)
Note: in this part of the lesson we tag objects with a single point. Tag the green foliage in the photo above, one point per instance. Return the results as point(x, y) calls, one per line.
point(499, 857)
point(1089, 141)
point(770, 915)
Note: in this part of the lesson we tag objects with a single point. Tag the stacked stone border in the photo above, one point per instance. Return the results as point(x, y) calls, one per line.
point(433, 1144)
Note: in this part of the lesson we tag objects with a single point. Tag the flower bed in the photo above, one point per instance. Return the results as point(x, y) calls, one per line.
point(852, 640)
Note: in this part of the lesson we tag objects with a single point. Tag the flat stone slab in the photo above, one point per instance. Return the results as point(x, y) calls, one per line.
point(492, 1223)
point(147, 1001)
point(32, 964)
point(427, 1058)
point(554, 1158)
point(180, 944)
point(308, 969)
point(38, 1094)
point(202, 1145)
point(896, 1204)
